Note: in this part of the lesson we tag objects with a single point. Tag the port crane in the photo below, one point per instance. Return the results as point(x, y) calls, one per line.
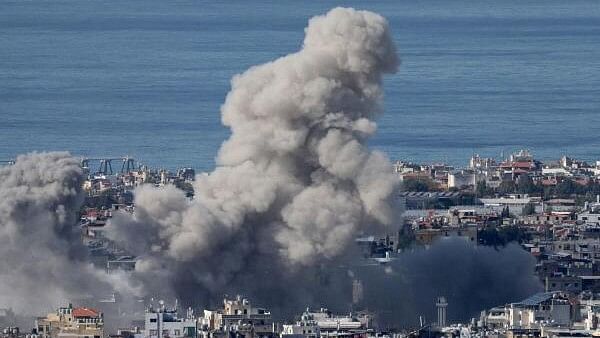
point(105, 164)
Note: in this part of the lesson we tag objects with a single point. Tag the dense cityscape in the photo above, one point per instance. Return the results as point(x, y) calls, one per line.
point(306, 225)
point(551, 209)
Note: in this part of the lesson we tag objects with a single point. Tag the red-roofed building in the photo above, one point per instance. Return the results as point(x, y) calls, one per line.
point(69, 322)
point(525, 166)
point(84, 312)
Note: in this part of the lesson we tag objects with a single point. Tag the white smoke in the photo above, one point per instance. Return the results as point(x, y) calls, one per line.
point(295, 182)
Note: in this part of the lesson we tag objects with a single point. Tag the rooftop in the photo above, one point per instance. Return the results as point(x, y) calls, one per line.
point(85, 312)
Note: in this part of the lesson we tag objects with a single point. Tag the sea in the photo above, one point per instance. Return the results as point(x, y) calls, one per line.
point(146, 78)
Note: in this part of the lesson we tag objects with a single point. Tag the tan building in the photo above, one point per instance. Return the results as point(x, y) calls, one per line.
point(238, 318)
point(69, 322)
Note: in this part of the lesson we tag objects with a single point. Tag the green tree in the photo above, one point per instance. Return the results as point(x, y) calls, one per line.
point(482, 190)
point(507, 187)
point(525, 185)
point(567, 187)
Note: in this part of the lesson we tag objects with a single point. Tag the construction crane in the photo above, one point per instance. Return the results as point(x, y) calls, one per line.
point(7, 162)
point(105, 164)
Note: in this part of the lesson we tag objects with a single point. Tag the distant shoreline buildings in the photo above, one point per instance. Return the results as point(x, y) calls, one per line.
point(552, 209)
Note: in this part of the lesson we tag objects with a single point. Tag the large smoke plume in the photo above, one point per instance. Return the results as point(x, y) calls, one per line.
point(295, 182)
point(43, 261)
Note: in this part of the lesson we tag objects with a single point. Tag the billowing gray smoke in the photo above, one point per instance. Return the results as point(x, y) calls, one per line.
point(295, 181)
point(295, 184)
point(42, 261)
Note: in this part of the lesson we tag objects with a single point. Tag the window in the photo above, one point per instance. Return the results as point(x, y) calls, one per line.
point(176, 332)
point(153, 332)
point(152, 320)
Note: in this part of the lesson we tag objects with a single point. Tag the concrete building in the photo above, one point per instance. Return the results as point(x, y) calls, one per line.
point(239, 318)
point(515, 202)
point(70, 322)
point(589, 218)
point(323, 323)
point(463, 178)
point(496, 317)
point(14, 332)
point(547, 308)
point(591, 311)
point(572, 284)
point(478, 162)
point(306, 327)
point(163, 322)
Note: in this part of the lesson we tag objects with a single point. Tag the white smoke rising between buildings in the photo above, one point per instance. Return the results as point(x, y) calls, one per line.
point(295, 182)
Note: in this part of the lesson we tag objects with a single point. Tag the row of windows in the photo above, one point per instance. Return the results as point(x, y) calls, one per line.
point(176, 332)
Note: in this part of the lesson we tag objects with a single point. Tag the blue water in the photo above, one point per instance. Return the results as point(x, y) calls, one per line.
point(146, 78)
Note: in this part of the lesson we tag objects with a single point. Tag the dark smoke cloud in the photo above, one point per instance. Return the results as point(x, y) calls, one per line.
point(43, 262)
point(472, 278)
